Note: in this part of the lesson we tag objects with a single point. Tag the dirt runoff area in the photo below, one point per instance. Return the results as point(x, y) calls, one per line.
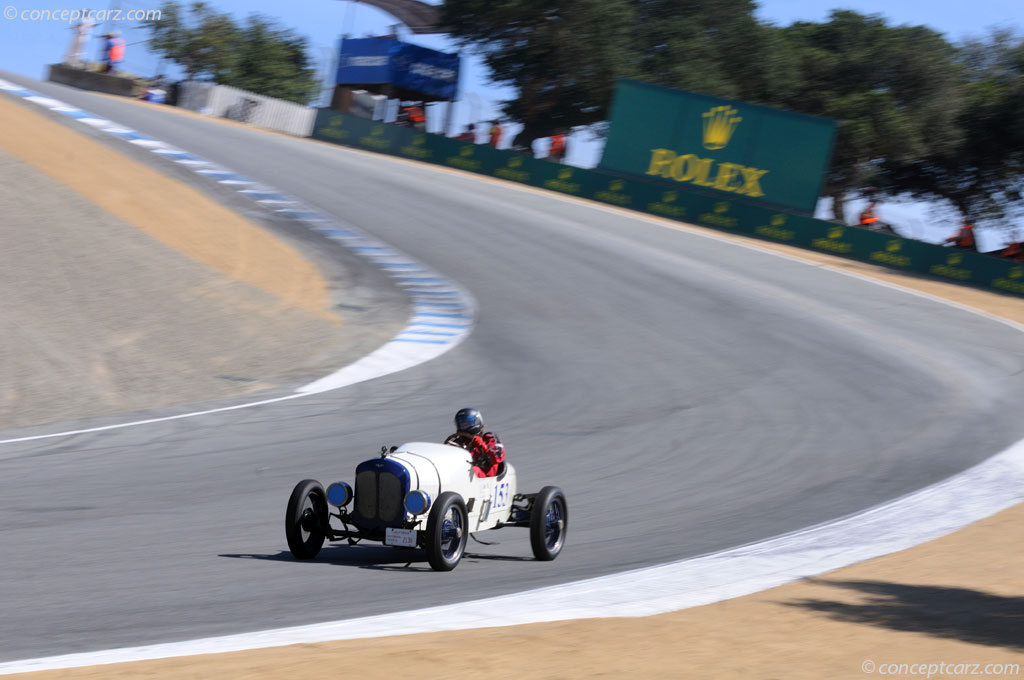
point(951, 608)
point(126, 290)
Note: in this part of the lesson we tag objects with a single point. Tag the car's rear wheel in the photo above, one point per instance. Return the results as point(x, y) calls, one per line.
point(447, 531)
point(549, 521)
point(305, 522)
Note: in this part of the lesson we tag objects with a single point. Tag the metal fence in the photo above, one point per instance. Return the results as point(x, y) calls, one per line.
point(247, 107)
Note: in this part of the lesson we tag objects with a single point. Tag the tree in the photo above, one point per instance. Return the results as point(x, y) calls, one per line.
point(273, 61)
point(260, 56)
point(894, 90)
point(716, 47)
point(984, 170)
point(563, 58)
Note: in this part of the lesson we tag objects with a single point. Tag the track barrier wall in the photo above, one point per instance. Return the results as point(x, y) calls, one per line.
point(246, 107)
point(685, 205)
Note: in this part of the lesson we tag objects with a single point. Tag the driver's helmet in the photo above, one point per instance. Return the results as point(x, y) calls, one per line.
point(469, 420)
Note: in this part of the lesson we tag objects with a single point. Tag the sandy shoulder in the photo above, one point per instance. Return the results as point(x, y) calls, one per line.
point(125, 290)
point(174, 214)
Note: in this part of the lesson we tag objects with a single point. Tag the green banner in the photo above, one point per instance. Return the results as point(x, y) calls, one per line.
point(717, 210)
point(733, 148)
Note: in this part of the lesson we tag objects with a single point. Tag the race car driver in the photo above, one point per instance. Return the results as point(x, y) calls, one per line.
point(486, 449)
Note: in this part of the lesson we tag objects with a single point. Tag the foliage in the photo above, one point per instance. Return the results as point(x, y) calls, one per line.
point(894, 91)
point(258, 56)
point(563, 58)
point(715, 46)
point(983, 171)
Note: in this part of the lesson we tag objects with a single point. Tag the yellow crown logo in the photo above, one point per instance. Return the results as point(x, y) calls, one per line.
point(721, 207)
point(835, 232)
point(719, 124)
point(893, 246)
point(420, 140)
point(466, 151)
point(668, 197)
point(954, 258)
point(1016, 272)
point(515, 161)
point(616, 185)
point(564, 173)
point(778, 220)
point(377, 130)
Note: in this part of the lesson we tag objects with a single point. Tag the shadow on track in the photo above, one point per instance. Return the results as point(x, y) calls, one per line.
point(372, 557)
point(957, 613)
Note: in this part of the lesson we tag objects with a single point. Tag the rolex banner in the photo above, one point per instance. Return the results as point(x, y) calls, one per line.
point(686, 139)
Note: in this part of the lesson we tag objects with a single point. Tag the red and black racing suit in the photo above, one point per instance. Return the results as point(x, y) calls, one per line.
point(486, 449)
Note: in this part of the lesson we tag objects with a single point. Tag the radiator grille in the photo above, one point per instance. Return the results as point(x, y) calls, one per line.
point(366, 493)
point(389, 494)
point(379, 496)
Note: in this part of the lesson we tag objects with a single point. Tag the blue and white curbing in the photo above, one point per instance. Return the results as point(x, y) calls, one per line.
point(434, 328)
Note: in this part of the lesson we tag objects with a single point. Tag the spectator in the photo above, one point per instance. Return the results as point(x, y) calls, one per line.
point(868, 217)
point(495, 133)
point(963, 238)
point(416, 117)
point(1014, 251)
point(114, 52)
point(469, 135)
point(556, 151)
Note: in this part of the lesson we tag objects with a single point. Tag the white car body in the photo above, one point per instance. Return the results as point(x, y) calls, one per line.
point(436, 468)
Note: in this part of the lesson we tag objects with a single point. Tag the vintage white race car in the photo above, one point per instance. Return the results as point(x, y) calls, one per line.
point(423, 495)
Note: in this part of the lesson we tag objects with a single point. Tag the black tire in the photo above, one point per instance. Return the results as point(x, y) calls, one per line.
point(305, 522)
point(549, 521)
point(447, 531)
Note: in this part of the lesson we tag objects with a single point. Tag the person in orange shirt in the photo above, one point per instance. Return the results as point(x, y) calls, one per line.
point(556, 152)
point(868, 218)
point(114, 51)
point(416, 117)
point(963, 238)
point(495, 134)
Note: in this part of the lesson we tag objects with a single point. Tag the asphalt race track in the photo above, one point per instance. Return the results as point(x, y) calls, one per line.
point(687, 394)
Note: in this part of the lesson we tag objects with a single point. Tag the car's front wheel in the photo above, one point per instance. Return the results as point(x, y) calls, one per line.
point(447, 531)
point(305, 522)
point(549, 520)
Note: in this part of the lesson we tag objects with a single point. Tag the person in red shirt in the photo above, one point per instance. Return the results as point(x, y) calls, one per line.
point(417, 118)
point(495, 132)
point(486, 449)
point(963, 238)
point(1014, 251)
point(469, 135)
point(556, 151)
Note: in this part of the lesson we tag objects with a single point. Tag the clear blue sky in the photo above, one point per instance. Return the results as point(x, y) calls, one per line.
point(26, 46)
